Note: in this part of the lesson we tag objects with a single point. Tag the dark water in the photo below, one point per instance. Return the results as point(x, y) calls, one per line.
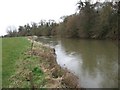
point(95, 62)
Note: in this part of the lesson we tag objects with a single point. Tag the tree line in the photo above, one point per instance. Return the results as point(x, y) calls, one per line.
point(97, 20)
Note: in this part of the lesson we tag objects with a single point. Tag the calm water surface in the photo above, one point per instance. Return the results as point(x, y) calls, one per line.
point(95, 62)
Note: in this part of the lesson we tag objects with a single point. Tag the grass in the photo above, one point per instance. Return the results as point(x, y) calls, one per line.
point(12, 48)
point(20, 69)
point(27, 71)
point(0, 62)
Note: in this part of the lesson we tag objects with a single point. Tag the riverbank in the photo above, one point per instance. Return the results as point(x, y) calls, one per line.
point(56, 77)
point(90, 67)
point(36, 67)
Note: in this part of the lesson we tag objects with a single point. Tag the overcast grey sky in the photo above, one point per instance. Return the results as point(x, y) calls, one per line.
point(20, 12)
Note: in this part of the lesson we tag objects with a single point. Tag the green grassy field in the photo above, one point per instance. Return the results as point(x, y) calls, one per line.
point(12, 48)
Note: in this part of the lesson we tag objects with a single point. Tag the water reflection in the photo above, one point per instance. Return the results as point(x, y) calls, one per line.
point(65, 59)
point(95, 62)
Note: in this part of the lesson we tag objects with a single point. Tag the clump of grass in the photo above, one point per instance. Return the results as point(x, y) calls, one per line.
point(37, 71)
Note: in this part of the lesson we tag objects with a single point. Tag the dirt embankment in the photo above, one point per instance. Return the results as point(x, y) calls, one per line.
point(56, 77)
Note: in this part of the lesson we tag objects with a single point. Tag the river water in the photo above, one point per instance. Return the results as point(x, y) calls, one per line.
point(94, 62)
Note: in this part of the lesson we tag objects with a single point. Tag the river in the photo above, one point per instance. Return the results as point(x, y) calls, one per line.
point(94, 62)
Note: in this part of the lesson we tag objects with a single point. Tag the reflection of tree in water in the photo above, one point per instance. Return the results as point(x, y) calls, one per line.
point(98, 56)
point(109, 67)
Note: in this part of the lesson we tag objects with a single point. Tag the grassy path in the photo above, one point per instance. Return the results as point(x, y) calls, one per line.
point(11, 51)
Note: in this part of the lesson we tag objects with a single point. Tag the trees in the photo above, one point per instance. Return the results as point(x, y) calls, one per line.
point(104, 20)
point(98, 20)
point(71, 26)
point(12, 31)
point(94, 20)
point(87, 19)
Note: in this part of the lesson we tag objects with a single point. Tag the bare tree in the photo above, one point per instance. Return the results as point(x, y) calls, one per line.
point(11, 31)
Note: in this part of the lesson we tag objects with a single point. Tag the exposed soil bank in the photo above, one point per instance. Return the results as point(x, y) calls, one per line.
point(56, 77)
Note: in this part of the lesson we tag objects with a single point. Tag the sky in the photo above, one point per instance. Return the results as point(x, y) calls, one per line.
point(21, 12)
